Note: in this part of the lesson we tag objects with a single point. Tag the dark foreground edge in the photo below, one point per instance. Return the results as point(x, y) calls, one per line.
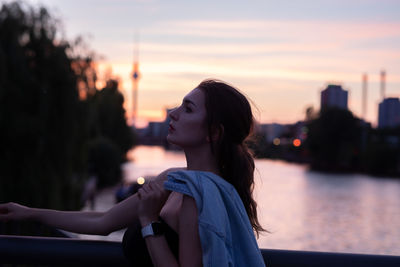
point(52, 251)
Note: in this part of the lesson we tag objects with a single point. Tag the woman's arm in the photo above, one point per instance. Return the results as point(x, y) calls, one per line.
point(83, 222)
point(152, 198)
point(190, 253)
point(126, 212)
point(99, 223)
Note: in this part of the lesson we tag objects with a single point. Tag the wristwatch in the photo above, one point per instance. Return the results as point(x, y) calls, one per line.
point(153, 229)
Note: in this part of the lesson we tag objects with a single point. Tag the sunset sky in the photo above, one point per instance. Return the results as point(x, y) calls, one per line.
point(279, 53)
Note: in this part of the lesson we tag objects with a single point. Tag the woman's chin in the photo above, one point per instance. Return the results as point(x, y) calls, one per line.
point(173, 142)
point(170, 140)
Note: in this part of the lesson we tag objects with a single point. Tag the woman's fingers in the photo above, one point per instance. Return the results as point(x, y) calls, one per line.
point(145, 188)
point(152, 191)
point(157, 186)
point(150, 188)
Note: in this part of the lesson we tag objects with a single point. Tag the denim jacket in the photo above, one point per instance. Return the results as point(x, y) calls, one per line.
point(226, 235)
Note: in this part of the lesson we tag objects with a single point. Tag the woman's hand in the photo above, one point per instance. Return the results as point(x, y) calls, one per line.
point(152, 197)
point(13, 212)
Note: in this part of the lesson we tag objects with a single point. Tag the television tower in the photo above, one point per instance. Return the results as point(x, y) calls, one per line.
point(135, 79)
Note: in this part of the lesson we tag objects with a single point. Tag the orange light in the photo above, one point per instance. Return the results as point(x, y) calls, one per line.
point(277, 141)
point(296, 142)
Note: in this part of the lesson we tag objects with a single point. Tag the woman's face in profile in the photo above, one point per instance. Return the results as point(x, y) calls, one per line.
point(188, 126)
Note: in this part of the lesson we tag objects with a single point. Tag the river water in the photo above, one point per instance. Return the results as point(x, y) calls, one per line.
point(302, 209)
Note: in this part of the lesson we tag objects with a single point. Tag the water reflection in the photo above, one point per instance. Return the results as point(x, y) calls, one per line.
point(332, 204)
point(352, 213)
point(309, 210)
point(147, 161)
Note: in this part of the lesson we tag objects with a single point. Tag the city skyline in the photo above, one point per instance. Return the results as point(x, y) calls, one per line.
point(282, 55)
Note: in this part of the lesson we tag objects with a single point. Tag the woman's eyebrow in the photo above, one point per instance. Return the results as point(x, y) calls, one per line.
point(187, 101)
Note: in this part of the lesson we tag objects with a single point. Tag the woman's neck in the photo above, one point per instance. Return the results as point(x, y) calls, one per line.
point(201, 159)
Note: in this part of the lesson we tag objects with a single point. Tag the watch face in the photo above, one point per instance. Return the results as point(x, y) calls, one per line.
point(158, 228)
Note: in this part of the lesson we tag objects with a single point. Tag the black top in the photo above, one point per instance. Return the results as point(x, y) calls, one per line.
point(135, 248)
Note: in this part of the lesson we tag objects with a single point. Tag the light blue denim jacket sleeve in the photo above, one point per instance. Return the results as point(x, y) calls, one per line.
point(226, 235)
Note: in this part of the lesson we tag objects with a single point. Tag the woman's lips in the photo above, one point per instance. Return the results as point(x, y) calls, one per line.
point(171, 128)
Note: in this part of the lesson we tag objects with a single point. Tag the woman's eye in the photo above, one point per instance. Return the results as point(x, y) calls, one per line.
point(188, 110)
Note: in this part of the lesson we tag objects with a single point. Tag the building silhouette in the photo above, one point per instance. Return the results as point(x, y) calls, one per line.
point(334, 96)
point(156, 132)
point(271, 130)
point(389, 113)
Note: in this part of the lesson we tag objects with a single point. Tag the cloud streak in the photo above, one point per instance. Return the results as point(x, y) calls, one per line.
point(278, 29)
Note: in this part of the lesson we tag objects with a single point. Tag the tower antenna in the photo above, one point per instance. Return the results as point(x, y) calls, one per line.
point(135, 77)
point(383, 84)
point(364, 95)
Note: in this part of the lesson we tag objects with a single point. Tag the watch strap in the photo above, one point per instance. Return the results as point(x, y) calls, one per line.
point(153, 229)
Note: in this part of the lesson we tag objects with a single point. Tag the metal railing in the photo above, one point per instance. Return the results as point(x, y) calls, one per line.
point(51, 251)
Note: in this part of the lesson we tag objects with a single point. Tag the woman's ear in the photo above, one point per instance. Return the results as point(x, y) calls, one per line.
point(216, 133)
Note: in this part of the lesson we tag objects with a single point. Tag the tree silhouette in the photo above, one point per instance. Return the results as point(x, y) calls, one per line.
point(51, 113)
point(111, 137)
point(382, 152)
point(39, 110)
point(334, 140)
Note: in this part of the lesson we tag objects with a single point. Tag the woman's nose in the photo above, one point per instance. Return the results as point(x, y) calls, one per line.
point(174, 114)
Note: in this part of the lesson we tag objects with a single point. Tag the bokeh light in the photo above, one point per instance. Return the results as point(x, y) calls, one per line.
point(141, 180)
point(277, 141)
point(297, 142)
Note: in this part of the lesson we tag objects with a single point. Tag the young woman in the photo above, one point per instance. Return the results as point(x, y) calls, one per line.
point(203, 215)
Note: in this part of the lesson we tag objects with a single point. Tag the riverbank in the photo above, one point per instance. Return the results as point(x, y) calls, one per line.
point(339, 169)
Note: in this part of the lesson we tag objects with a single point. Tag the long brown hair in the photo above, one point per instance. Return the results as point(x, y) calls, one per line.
point(229, 111)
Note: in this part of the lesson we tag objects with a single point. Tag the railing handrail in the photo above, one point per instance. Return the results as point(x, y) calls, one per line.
point(60, 251)
point(78, 252)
